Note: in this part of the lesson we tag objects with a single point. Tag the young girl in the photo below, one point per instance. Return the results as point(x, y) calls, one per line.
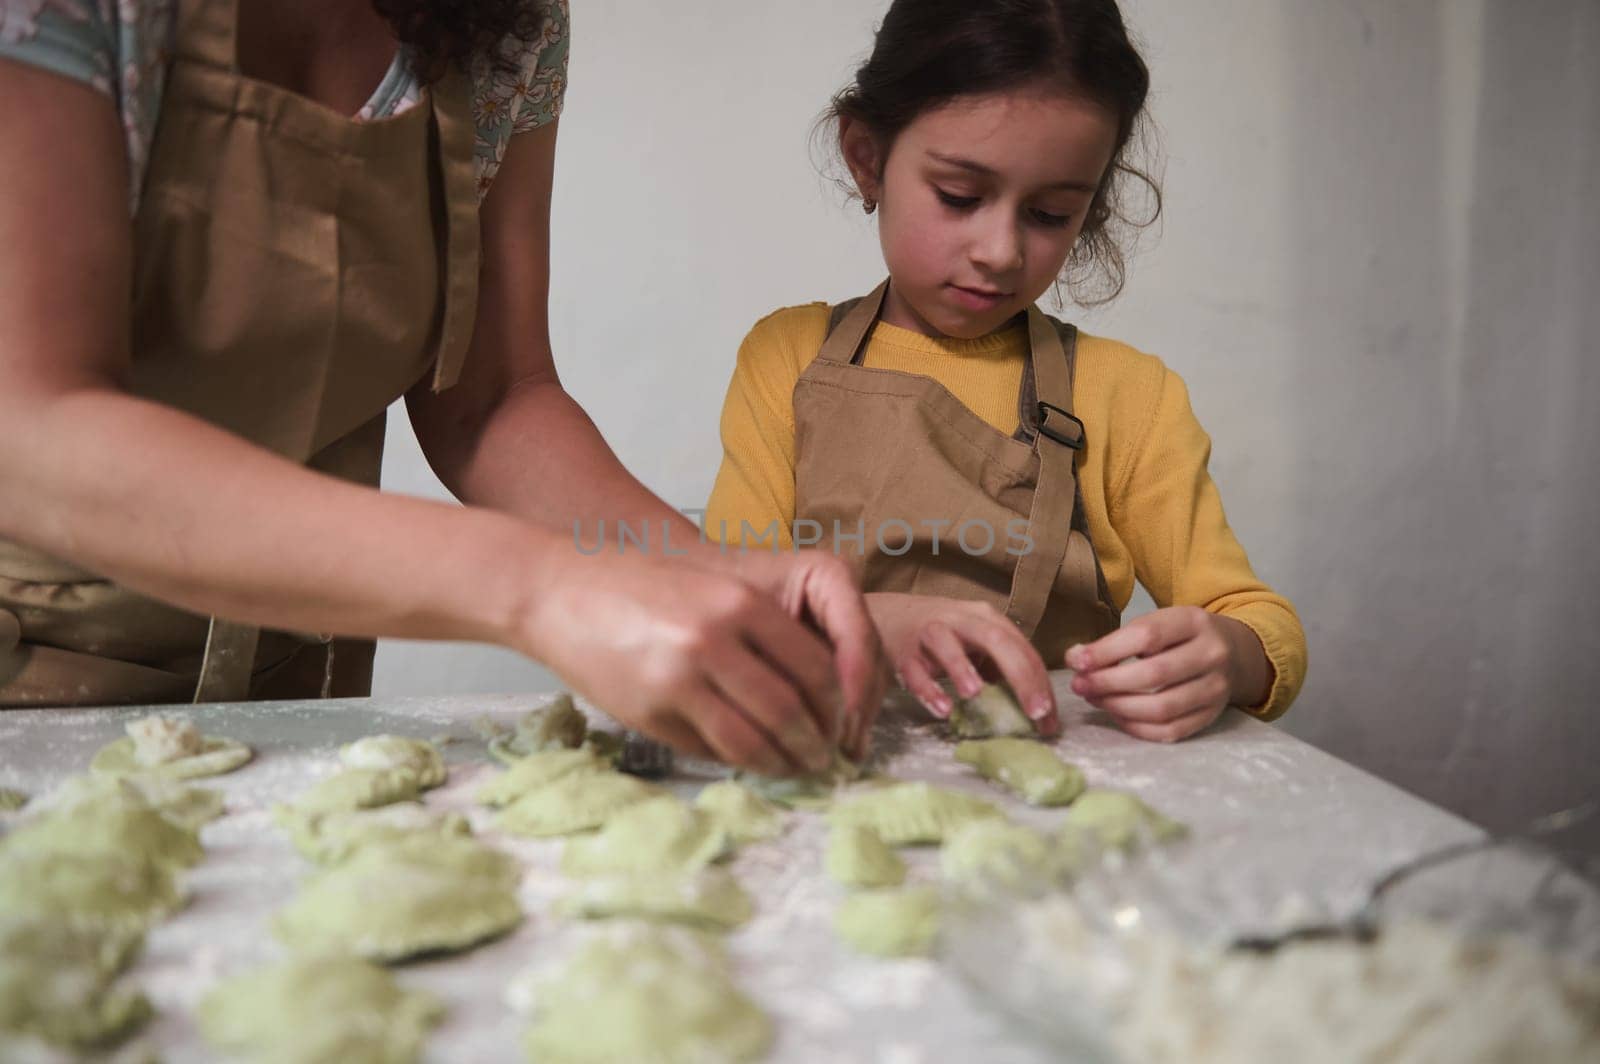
point(997, 478)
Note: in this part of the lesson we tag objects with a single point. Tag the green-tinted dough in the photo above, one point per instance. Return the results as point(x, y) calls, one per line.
point(651, 996)
point(710, 898)
point(120, 892)
point(743, 813)
point(991, 712)
point(169, 746)
point(1117, 820)
point(107, 827)
point(1002, 854)
point(1027, 768)
point(813, 791)
point(659, 836)
point(908, 814)
point(422, 758)
point(188, 807)
point(536, 770)
point(573, 803)
point(11, 800)
point(328, 838)
point(356, 788)
point(890, 923)
point(559, 725)
point(398, 899)
point(858, 857)
point(309, 1009)
point(56, 982)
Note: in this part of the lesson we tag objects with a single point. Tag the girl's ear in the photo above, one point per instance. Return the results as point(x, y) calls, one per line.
point(860, 153)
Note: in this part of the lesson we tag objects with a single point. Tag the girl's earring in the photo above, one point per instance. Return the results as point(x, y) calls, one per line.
point(868, 204)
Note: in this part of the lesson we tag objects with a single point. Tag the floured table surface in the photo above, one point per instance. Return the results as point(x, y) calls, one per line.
point(1271, 817)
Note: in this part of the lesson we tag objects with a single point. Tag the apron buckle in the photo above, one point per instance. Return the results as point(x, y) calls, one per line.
point(1067, 437)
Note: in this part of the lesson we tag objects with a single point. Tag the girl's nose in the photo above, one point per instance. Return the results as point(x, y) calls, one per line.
point(997, 247)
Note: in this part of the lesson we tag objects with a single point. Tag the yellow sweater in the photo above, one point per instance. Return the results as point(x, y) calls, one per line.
point(1153, 511)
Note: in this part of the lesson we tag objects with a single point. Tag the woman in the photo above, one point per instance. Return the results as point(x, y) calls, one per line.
point(175, 477)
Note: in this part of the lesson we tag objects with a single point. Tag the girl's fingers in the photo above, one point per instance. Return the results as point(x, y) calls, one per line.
point(1202, 692)
point(918, 678)
point(940, 642)
point(1172, 730)
point(1174, 665)
point(1021, 667)
point(1141, 637)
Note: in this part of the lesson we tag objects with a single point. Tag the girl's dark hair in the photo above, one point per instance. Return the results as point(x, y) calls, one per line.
point(445, 33)
point(929, 52)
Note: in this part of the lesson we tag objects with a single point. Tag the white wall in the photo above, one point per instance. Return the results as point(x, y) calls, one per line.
point(1378, 272)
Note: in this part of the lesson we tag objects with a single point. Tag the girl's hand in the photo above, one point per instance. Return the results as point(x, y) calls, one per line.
point(927, 636)
point(1170, 673)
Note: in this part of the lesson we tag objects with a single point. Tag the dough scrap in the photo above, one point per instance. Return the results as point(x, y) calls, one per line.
point(167, 746)
point(651, 995)
point(534, 771)
point(992, 712)
point(578, 802)
point(57, 982)
point(857, 856)
point(318, 1009)
point(355, 788)
point(743, 813)
point(559, 725)
point(1000, 854)
point(188, 807)
point(1116, 820)
point(111, 827)
point(11, 800)
point(658, 836)
point(421, 757)
point(1026, 767)
point(328, 838)
point(813, 791)
point(908, 814)
point(117, 892)
point(393, 900)
point(710, 898)
point(890, 923)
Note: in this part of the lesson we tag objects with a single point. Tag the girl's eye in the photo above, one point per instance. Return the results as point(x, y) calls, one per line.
point(949, 199)
point(1052, 221)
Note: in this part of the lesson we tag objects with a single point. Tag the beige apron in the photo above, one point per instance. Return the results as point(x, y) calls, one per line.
point(923, 496)
point(295, 272)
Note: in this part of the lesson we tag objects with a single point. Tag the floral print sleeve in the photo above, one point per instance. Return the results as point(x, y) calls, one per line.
point(522, 92)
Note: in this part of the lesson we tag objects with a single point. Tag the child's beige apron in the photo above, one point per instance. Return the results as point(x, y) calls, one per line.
point(295, 273)
point(943, 503)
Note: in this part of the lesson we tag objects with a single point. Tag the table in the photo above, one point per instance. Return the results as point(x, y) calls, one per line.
point(1264, 808)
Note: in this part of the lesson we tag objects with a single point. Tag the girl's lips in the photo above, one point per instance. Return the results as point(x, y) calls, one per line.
point(976, 298)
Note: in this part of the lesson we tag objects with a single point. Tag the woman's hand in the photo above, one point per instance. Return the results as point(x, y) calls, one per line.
point(1170, 673)
point(707, 663)
point(928, 636)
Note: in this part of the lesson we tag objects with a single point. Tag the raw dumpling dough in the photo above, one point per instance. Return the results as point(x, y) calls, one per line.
point(188, 807)
point(393, 900)
point(908, 814)
point(328, 838)
point(1026, 767)
point(395, 751)
point(991, 712)
point(318, 1009)
point(536, 770)
point(11, 800)
point(169, 746)
point(1117, 820)
point(813, 791)
point(1000, 854)
point(57, 983)
point(108, 827)
point(660, 836)
point(356, 788)
point(710, 899)
point(648, 995)
point(858, 857)
point(559, 725)
point(117, 892)
point(890, 923)
point(743, 813)
point(577, 802)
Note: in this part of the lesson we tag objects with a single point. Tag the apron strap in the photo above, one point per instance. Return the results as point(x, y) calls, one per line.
point(457, 133)
point(850, 331)
point(1058, 438)
point(229, 662)
point(205, 33)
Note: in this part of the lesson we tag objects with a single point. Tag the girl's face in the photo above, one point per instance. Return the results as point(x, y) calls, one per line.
point(980, 202)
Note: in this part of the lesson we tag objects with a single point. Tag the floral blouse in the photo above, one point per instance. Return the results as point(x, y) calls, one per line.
point(124, 47)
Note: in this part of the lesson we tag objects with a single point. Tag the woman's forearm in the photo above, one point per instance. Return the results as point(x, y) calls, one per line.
point(178, 509)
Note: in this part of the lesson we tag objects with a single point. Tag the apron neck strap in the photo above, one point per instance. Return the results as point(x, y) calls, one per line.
point(1046, 397)
point(206, 33)
point(457, 139)
point(845, 340)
